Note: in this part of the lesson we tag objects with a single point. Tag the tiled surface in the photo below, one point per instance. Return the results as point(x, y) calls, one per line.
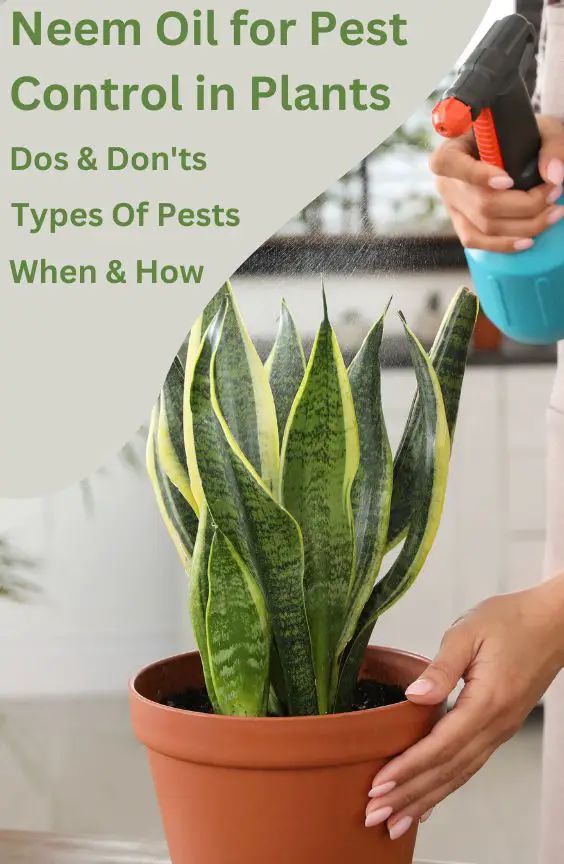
point(73, 767)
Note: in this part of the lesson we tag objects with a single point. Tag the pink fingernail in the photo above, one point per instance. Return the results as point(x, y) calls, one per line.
point(383, 789)
point(377, 817)
point(555, 216)
point(502, 181)
point(553, 197)
point(427, 815)
point(420, 687)
point(555, 172)
point(522, 245)
point(399, 828)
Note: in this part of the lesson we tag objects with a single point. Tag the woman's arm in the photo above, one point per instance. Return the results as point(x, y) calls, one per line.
point(508, 650)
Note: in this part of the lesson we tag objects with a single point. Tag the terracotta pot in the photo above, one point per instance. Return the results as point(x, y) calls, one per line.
point(290, 790)
point(486, 336)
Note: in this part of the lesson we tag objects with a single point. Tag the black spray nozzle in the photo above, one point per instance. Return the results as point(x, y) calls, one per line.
point(491, 81)
point(496, 65)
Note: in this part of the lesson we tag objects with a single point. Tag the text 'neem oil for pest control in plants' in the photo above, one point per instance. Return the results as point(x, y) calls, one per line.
point(203, 28)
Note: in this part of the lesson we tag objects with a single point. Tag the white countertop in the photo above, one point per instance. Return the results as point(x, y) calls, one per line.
point(17, 847)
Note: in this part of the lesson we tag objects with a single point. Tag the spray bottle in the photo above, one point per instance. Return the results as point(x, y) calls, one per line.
point(521, 292)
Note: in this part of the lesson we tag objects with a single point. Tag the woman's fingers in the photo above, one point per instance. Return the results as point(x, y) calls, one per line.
point(442, 675)
point(502, 235)
point(401, 821)
point(551, 159)
point(444, 743)
point(513, 214)
point(520, 227)
point(455, 158)
point(510, 214)
point(514, 204)
point(424, 791)
point(414, 783)
point(472, 238)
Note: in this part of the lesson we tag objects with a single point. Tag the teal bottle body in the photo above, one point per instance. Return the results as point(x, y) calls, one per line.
point(523, 293)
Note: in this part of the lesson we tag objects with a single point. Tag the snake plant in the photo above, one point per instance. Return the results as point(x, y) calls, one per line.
point(277, 484)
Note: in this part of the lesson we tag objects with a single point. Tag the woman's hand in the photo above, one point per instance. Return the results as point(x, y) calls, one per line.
point(486, 212)
point(508, 650)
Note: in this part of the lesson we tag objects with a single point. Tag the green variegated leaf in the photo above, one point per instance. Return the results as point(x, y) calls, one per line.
point(264, 536)
point(285, 367)
point(198, 596)
point(278, 701)
point(372, 488)
point(320, 458)
point(245, 397)
point(238, 633)
point(429, 483)
point(170, 435)
point(151, 463)
point(448, 355)
point(176, 513)
point(193, 349)
point(429, 488)
point(450, 350)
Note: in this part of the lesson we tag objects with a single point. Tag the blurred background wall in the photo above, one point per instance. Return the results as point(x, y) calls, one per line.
point(92, 586)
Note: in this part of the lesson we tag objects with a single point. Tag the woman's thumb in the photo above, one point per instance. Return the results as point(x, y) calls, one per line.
point(441, 677)
point(551, 158)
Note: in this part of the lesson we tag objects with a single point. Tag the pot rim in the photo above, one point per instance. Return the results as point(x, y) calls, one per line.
point(229, 718)
point(282, 742)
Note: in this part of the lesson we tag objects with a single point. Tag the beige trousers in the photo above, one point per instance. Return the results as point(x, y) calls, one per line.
point(552, 820)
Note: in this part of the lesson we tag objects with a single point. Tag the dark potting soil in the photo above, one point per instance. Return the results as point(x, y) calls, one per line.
point(193, 699)
point(368, 694)
point(372, 694)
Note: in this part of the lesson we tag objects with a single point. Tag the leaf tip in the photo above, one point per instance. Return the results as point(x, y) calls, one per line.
point(215, 329)
point(324, 298)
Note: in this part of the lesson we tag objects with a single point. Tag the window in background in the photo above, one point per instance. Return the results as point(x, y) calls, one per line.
point(392, 191)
